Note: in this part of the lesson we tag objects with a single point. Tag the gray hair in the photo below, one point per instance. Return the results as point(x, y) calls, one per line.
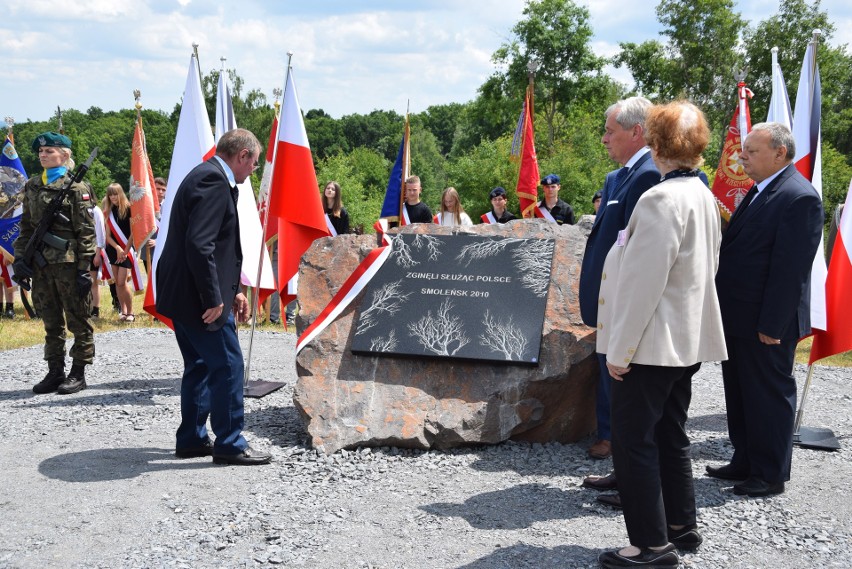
point(235, 141)
point(630, 111)
point(779, 135)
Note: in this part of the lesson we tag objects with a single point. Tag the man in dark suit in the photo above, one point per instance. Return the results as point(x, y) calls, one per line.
point(624, 139)
point(198, 287)
point(763, 284)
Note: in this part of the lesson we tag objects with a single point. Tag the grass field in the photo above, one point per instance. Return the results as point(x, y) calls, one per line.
point(22, 332)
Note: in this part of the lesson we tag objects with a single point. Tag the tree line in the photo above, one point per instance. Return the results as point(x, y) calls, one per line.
point(467, 145)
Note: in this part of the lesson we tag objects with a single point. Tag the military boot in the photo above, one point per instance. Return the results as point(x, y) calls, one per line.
point(55, 376)
point(76, 380)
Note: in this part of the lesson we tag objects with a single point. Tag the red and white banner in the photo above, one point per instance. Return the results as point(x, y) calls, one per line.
point(294, 197)
point(806, 133)
point(252, 242)
point(271, 229)
point(837, 337)
point(347, 293)
point(143, 221)
point(731, 183)
point(193, 145)
point(779, 103)
point(528, 175)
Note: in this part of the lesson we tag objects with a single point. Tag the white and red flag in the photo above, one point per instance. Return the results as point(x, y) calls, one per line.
point(294, 198)
point(808, 138)
point(271, 226)
point(779, 102)
point(731, 183)
point(143, 221)
point(251, 232)
point(837, 337)
point(193, 145)
point(528, 175)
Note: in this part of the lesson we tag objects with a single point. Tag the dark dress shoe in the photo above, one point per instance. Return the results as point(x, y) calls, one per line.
point(668, 557)
point(205, 449)
point(686, 538)
point(755, 487)
point(248, 457)
point(600, 450)
point(726, 472)
point(613, 500)
point(601, 482)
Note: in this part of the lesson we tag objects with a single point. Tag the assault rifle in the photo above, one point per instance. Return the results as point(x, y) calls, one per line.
point(42, 237)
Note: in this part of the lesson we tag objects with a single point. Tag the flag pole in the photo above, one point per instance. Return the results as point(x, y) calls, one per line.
point(809, 437)
point(261, 388)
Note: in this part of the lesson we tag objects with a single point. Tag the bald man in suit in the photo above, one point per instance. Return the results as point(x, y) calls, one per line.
point(764, 293)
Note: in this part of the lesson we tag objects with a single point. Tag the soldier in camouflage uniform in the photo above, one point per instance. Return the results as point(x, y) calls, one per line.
point(59, 292)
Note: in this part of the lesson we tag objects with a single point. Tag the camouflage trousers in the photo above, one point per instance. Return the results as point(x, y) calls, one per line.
point(57, 302)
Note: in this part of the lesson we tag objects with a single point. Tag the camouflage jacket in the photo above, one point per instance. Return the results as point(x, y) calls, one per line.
point(79, 230)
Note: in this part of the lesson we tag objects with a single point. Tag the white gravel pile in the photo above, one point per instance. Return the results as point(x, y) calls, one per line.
point(90, 480)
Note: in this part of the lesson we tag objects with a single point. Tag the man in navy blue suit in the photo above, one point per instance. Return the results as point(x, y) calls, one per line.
point(624, 139)
point(763, 284)
point(198, 287)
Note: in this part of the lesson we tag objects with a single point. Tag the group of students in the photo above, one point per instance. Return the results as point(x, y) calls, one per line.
point(115, 259)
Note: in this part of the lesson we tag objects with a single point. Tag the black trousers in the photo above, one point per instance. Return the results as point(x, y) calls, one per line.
point(650, 450)
point(760, 399)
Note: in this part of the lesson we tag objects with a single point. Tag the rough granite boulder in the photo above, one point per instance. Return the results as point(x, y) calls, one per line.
point(351, 400)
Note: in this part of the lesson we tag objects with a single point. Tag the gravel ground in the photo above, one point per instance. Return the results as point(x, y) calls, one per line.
point(91, 481)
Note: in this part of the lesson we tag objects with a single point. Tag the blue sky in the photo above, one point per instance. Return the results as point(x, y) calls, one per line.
point(349, 56)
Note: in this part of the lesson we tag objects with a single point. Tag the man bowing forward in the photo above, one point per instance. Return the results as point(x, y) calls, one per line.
point(198, 287)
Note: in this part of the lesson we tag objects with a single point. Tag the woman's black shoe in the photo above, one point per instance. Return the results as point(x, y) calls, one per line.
point(665, 558)
point(686, 538)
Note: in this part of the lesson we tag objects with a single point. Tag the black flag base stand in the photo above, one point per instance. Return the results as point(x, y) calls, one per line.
point(816, 439)
point(258, 388)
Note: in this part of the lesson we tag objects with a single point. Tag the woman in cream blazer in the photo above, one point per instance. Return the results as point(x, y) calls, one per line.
point(659, 318)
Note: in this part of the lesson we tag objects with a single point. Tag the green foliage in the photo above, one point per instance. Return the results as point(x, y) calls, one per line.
point(362, 175)
point(697, 62)
point(791, 30)
point(557, 35)
point(836, 176)
point(474, 174)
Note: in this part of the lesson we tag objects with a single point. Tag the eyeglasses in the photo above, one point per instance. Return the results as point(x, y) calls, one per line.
point(256, 166)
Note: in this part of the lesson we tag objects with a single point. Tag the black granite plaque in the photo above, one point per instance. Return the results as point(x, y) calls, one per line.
point(457, 296)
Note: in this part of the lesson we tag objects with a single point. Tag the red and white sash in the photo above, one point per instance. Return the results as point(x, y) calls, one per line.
point(381, 227)
point(542, 213)
point(330, 226)
point(347, 293)
point(488, 217)
point(105, 272)
point(121, 239)
point(405, 219)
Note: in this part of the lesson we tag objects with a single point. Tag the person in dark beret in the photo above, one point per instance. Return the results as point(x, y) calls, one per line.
point(62, 287)
point(596, 200)
point(498, 213)
point(551, 207)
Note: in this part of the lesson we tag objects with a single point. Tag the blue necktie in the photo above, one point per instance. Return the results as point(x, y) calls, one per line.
point(620, 175)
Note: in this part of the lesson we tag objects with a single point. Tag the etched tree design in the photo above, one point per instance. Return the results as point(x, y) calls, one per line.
point(484, 249)
point(441, 332)
point(382, 344)
point(533, 259)
point(403, 255)
point(503, 336)
point(386, 301)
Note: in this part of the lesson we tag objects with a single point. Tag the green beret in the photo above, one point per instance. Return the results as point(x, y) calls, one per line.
point(51, 139)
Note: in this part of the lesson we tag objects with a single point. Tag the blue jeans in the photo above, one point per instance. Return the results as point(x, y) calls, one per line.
point(212, 386)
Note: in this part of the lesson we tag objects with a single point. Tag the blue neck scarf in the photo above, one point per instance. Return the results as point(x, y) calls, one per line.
point(52, 174)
